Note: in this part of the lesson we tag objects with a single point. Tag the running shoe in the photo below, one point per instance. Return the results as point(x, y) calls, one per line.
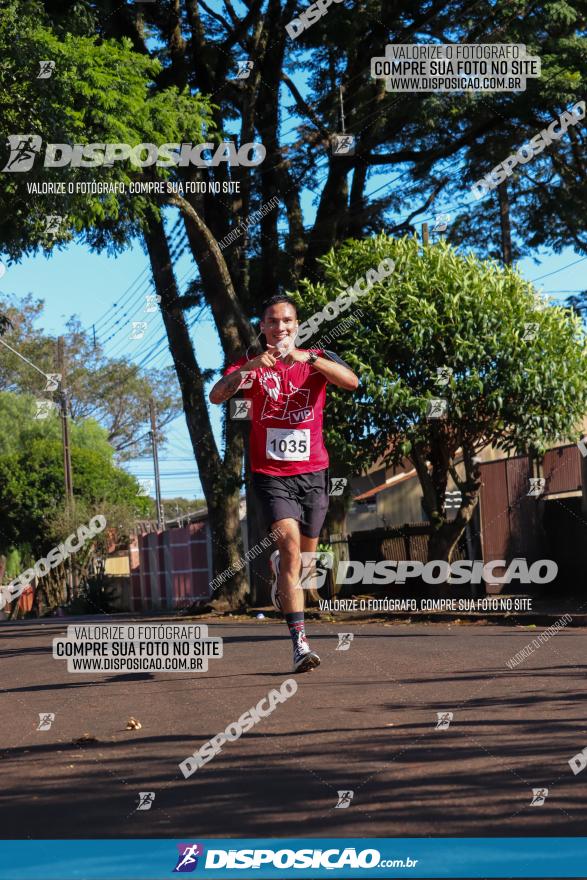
point(304, 658)
point(275, 598)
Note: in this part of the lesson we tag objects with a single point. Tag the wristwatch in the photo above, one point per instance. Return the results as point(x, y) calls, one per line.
point(312, 358)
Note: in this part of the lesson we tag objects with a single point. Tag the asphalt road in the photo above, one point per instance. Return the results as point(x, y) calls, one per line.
point(365, 721)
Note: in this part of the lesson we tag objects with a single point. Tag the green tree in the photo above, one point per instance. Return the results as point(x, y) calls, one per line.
point(111, 391)
point(19, 426)
point(101, 92)
point(519, 367)
point(32, 488)
point(33, 511)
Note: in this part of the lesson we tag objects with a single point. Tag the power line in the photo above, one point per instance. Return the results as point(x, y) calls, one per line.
point(106, 317)
point(556, 271)
point(163, 340)
point(148, 475)
point(128, 294)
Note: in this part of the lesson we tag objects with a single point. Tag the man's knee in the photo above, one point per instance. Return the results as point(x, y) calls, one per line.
point(289, 549)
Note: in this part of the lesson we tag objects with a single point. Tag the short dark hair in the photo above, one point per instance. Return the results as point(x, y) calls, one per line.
point(278, 298)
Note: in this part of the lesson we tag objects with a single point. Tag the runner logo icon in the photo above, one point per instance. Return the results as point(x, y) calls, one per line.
point(187, 860)
point(23, 150)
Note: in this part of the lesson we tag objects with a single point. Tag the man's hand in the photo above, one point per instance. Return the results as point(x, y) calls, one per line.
point(227, 387)
point(294, 356)
point(267, 359)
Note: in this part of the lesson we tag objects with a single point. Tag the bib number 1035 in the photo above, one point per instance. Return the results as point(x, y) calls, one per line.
point(287, 445)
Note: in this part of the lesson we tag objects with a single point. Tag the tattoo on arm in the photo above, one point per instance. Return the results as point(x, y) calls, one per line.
point(229, 385)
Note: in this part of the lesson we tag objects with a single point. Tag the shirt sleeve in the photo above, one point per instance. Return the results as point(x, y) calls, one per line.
point(235, 366)
point(245, 388)
point(332, 356)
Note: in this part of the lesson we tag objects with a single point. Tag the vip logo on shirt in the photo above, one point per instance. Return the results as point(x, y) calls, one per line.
point(188, 857)
point(300, 415)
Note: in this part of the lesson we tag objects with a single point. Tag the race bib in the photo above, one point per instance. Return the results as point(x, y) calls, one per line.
point(286, 445)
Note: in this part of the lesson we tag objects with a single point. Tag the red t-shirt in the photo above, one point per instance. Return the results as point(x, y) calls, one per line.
point(286, 417)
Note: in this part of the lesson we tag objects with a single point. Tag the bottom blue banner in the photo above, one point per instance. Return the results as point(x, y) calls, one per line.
point(223, 858)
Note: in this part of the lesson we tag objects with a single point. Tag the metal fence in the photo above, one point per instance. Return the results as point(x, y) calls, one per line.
point(410, 542)
point(171, 569)
point(515, 524)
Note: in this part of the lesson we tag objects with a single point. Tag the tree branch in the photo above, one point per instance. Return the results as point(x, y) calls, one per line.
point(215, 15)
point(304, 106)
point(234, 328)
point(435, 192)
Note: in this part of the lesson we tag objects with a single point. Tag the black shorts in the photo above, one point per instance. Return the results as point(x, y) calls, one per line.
point(303, 497)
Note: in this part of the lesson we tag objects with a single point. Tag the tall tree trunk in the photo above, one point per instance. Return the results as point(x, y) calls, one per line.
point(325, 232)
point(443, 541)
point(268, 126)
point(504, 221)
point(221, 479)
point(233, 327)
point(259, 571)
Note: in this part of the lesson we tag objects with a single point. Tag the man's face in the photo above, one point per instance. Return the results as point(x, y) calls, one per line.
point(280, 326)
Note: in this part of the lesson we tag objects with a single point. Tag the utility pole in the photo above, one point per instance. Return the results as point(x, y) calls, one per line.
point(62, 396)
point(425, 234)
point(153, 433)
point(61, 367)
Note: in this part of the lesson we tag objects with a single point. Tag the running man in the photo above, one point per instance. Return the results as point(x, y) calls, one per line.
point(289, 462)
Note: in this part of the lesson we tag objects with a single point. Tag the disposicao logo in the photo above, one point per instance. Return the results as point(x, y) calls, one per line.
point(330, 859)
point(24, 149)
point(187, 859)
